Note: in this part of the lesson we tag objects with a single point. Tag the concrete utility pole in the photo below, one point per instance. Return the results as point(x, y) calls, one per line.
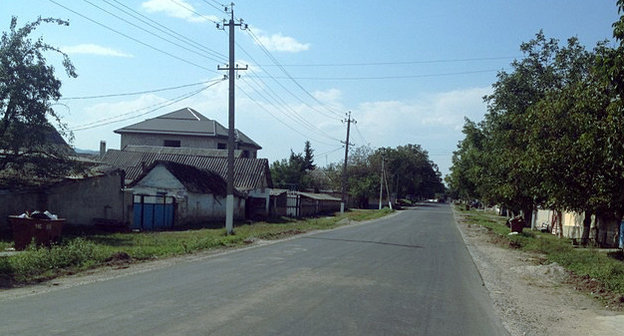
point(381, 179)
point(229, 203)
point(344, 167)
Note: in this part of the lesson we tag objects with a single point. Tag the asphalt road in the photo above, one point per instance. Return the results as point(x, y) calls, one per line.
point(408, 274)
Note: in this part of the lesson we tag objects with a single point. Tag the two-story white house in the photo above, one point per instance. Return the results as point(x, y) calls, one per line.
point(185, 128)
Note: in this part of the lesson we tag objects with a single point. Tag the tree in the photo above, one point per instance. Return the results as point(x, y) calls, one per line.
point(294, 172)
point(512, 179)
point(466, 180)
point(28, 88)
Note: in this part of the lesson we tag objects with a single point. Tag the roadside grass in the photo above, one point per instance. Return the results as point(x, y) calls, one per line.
point(600, 273)
point(83, 251)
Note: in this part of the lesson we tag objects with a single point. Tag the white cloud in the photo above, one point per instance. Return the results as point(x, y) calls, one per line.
point(178, 9)
point(434, 121)
point(94, 49)
point(329, 96)
point(279, 42)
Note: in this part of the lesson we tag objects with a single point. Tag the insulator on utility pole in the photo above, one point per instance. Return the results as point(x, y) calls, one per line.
point(231, 67)
point(348, 120)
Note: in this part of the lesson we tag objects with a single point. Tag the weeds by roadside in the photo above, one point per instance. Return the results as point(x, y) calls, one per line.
point(86, 251)
point(599, 273)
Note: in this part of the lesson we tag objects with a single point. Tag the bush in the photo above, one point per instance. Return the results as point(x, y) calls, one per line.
point(35, 263)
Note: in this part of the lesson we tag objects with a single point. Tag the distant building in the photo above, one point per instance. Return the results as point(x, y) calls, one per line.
point(185, 128)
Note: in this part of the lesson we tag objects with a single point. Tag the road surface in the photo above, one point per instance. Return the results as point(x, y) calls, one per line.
point(407, 274)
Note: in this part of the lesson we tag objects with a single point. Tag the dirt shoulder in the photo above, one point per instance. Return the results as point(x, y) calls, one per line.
point(532, 298)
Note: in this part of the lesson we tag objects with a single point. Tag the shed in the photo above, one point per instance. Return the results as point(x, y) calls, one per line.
point(169, 194)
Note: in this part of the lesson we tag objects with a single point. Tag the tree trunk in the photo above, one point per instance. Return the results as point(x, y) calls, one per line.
point(560, 223)
point(586, 228)
point(527, 214)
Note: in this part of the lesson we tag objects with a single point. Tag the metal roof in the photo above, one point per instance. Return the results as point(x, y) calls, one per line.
point(248, 173)
point(185, 121)
point(182, 150)
point(319, 197)
point(193, 179)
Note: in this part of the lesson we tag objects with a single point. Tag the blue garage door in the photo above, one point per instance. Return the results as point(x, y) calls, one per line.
point(153, 212)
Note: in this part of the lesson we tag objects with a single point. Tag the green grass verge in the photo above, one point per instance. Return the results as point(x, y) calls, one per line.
point(87, 251)
point(587, 263)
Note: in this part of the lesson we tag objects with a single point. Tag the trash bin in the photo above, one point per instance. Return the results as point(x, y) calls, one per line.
point(516, 224)
point(44, 231)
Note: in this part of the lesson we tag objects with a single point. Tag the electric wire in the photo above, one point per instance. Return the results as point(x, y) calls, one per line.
point(284, 87)
point(192, 10)
point(279, 119)
point(151, 109)
point(150, 32)
point(217, 6)
point(276, 62)
point(392, 77)
point(136, 93)
point(280, 101)
point(132, 38)
point(360, 134)
point(397, 63)
point(164, 29)
point(293, 115)
point(331, 151)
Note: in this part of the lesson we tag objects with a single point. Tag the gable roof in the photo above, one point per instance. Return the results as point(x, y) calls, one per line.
point(193, 179)
point(185, 121)
point(249, 173)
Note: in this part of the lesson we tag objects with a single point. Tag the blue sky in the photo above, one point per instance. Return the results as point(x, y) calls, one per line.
point(409, 71)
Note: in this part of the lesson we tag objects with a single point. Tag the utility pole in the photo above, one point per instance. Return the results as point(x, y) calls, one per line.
point(344, 167)
point(229, 203)
point(381, 179)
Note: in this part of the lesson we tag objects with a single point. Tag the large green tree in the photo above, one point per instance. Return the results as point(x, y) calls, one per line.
point(293, 173)
point(31, 148)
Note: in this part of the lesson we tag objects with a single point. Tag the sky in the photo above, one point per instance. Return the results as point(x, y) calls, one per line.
point(408, 71)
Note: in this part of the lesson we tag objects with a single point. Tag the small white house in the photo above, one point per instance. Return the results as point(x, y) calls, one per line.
point(170, 194)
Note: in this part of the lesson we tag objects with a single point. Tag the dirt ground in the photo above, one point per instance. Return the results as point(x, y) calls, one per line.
point(533, 298)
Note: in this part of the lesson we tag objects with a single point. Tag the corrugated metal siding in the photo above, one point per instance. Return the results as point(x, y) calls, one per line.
point(248, 173)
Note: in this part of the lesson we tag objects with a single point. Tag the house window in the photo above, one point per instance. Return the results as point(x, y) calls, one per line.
point(245, 154)
point(221, 145)
point(171, 143)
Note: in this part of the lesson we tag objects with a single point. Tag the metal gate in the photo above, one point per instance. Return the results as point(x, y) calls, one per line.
point(293, 202)
point(153, 212)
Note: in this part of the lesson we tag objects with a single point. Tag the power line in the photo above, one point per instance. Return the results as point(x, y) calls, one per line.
point(138, 92)
point(276, 62)
point(215, 6)
point(392, 77)
point(148, 31)
point(282, 86)
point(295, 116)
point(397, 63)
point(164, 29)
point(279, 119)
point(152, 108)
point(132, 38)
point(357, 129)
point(192, 10)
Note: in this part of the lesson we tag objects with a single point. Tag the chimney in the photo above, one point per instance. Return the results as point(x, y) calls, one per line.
point(102, 148)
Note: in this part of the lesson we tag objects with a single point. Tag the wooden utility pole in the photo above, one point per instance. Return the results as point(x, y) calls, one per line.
point(229, 203)
point(344, 167)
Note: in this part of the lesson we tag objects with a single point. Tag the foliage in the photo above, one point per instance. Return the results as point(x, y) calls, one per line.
point(294, 172)
point(28, 89)
point(409, 173)
point(552, 135)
